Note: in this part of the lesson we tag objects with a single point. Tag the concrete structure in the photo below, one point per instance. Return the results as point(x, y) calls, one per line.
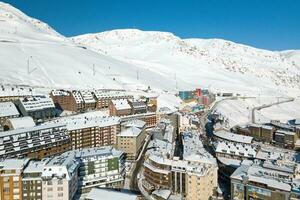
point(149, 118)
point(88, 100)
point(119, 107)
point(76, 101)
point(11, 172)
point(100, 167)
point(38, 107)
point(62, 99)
point(60, 177)
point(32, 181)
point(34, 142)
point(138, 106)
point(130, 141)
point(17, 123)
point(194, 177)
point(104, 97)
point(257, 181)
point(8, 110)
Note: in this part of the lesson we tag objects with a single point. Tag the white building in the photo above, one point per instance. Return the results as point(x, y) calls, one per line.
point(60, 177)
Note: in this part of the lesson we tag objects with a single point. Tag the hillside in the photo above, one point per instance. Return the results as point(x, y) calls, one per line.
point(214, 63)
point(55, 61)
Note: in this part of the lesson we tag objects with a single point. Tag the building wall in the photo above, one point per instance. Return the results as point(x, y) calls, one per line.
point(32, 187)
point(201, 187)
point(10, 184)
point(131, 145)
point(94, 137)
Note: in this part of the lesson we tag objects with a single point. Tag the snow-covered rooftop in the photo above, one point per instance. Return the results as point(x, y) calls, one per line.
point(37, 103)
point(81, 121)
point(99, 194)
point(60, 93)
point(15, 91)
point(22, 122)
point(243, 150)
point(8, 109)
point(255, 173)
point(87, 96)
point(121, 104)
point(134, 123)
point(130, 132)
point(226, 135)
point(9, 164)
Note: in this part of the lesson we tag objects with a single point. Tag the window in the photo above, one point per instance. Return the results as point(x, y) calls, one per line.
point(60, 182)
point(60, 188)
point(60, 194)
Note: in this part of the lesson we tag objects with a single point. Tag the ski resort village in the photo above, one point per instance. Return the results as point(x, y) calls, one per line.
point(143, 115)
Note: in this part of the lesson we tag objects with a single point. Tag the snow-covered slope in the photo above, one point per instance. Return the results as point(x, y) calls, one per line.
point(137, 59)
point(218, 64)
point(55, 61)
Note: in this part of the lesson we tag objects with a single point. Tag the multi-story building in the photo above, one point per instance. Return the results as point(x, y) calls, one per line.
point(88, 100)
point(149, 118)
point(100, 167)
point(32, 188)
point(104, 97)
point(11, 171)
point(38, 107)
point(264, 181)
point(34, 142)
point(13, 93)
point(130, 141)
point(90, 131)
point(60, 177)
point(62, 99)
point(194, 177)
point(76, 101)
point(119, 107)
point(138, 106)
point(17, 123)
point(7, 110)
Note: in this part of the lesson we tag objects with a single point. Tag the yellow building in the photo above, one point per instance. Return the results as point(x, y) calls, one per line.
point(11, 171)
point(130, 141)
point(201, 182)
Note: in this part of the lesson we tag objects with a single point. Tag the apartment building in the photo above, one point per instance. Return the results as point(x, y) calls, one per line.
point(60, 177)
point(119, 107)
point(88, 131)
point(76, 101)
point(109, 194)
point(8, 110)
point(62, 99)
point(100, 167)
point(194, 177)
point(34, 142)
point(38, 107)
point(264, 181)
point(149, 118)
point(88, 100)
point(11, 171)
point(13, 93)
point(32, 188)
point(130, 141)
point(104, 97)
point(138, 106)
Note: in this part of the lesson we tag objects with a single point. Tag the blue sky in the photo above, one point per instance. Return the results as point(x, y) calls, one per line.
point(268, 24)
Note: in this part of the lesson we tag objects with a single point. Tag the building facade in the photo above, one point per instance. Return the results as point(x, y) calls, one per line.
point(35, 142)
point(11, 172)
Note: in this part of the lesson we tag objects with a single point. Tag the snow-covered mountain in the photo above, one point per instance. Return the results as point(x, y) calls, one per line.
point(55, 61)
point(213, 63)
point(132, 58)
